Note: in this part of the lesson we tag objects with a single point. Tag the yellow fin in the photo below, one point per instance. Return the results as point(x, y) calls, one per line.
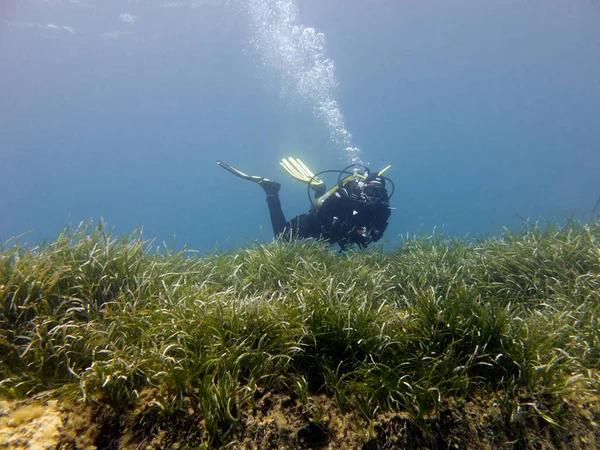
point(298, 170)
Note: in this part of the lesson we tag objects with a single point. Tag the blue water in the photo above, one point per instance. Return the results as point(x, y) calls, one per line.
point(117, 110)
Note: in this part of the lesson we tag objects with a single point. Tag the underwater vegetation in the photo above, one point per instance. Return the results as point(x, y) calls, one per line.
point(114, 322)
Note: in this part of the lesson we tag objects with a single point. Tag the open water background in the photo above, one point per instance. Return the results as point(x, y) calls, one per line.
point(117, 110)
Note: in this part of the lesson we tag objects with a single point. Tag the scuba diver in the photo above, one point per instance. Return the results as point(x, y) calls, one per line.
point(354, 211)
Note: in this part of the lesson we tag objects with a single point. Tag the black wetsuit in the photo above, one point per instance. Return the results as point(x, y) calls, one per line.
point(348, 216)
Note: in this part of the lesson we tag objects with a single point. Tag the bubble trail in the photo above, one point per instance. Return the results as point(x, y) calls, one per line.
point(295, 55)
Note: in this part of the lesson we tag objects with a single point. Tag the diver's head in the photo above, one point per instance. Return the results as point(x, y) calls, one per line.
point(374, 179)
point(374, 187)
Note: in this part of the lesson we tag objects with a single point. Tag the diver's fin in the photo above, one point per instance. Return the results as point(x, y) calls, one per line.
point(298, 170)
point(239, 173)
point(270, 186)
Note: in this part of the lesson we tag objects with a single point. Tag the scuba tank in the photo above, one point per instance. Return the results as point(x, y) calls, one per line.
point(364, 181)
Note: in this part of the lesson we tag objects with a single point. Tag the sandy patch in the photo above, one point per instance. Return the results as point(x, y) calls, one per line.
point(29, 426)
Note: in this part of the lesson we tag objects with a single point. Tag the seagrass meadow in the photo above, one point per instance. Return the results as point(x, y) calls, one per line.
point(439, 343)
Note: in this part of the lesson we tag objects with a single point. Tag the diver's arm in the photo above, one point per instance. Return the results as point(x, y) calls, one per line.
point(379, 223)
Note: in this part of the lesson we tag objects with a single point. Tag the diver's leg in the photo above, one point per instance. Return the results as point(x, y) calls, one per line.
point(271, 188)
point(301, 226)
point(278, 221)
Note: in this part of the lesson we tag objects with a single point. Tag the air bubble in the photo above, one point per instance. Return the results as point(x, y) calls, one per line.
point(296, 56)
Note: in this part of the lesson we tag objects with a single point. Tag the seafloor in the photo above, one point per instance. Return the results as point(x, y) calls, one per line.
point(278, 422)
